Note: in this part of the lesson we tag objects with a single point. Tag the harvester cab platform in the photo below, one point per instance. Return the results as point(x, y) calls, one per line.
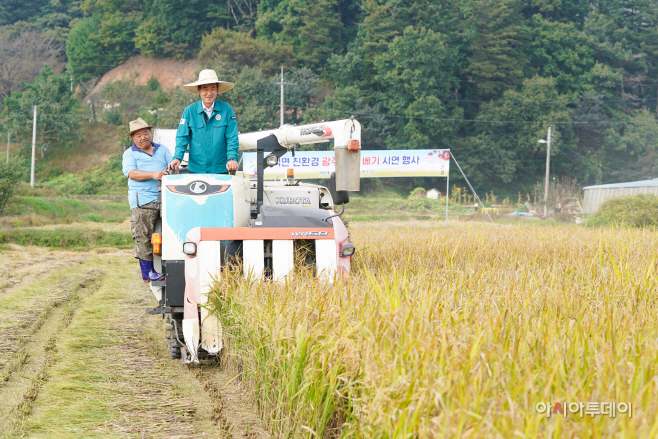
point(208, 219)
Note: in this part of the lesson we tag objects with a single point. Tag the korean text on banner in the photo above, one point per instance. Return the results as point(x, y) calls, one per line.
point(320, 164)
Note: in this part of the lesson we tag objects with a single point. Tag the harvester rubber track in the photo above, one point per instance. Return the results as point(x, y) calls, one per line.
point(172, 343)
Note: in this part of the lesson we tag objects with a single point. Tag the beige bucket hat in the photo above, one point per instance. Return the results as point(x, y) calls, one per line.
point(209, 77)
point(137, 125)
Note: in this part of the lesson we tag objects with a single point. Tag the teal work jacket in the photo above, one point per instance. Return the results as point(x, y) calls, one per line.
point(212, 143)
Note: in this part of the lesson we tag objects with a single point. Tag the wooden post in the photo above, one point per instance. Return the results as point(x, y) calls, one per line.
point(34, 144)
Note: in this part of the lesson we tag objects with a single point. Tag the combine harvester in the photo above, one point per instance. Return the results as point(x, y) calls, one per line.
point(208, 219)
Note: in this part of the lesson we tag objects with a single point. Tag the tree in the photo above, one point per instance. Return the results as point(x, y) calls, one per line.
point(9, 178)
point(57, 122)
point(496, 57)
point(630, 144)
point(4, 15)
point(175, 27)
point(430, 125)
point(563, 11)
point(376, 129)
point(254, 101)
point(22, 10)
point(241, 15)
point(504, 150)
point(311, 27)
point(22, 55)
point(560, 51)
point(639, 21)
point(386, 19)
point(173, 109)
point(299, 97)
point(134, 101)
point(416, 64)
point(239, 49)
point(57, 15)
point(416, 79)
point(93, 47)
point(150, 39)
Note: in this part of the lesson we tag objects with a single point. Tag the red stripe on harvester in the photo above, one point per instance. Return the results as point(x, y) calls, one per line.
point(250, 234)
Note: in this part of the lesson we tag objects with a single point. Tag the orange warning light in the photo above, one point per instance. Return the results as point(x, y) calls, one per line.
point(156, 241)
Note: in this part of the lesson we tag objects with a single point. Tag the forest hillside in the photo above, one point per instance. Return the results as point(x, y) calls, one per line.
point(484, 78)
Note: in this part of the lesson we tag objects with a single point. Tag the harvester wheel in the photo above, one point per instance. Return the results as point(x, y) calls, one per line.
point(170, 337)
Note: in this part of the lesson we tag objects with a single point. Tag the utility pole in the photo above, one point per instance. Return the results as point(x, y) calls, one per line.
point(282, 83)
point(282, 106)
point(34, 144)
point(8, 140)
point(548, 169)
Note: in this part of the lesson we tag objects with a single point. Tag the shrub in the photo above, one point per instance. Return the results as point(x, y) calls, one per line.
point(419, 192)
point(153, 84)
point(9, 178)
point(633, 211)
point(106, 178)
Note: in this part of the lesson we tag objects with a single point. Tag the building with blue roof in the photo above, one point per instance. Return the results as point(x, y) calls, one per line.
point(596, 195)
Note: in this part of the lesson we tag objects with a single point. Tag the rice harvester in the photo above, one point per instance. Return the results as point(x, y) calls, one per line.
point(206, 220)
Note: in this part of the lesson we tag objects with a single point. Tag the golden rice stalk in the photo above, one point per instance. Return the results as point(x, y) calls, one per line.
point(456, 332)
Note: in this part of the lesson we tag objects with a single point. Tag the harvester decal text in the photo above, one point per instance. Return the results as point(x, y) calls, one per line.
point(292, 200)
point(310, 233)
point(324, 131)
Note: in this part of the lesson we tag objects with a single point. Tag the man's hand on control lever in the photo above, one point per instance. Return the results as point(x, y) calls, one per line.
point(157, 175)
point(232, 165)
point(173, 165)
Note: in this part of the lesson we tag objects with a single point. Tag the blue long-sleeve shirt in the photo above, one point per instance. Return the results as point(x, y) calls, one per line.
point(213, 142)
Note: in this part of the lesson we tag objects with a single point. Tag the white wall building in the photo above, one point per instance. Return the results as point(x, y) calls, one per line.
point(433, 194)
point(596, 195)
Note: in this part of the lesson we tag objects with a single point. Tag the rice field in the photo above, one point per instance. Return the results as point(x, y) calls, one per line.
point(457, 332)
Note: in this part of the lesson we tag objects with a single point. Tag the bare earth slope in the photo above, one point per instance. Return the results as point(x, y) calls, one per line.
point(169, 72)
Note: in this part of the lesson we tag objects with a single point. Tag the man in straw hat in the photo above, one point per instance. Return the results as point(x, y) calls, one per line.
point(144, 163)
point(210, 128)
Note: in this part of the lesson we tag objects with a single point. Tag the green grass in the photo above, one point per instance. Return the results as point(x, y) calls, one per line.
point(372, 204)
point(391, 208)
point(66, 238)
point(103, 179)
point(24, 211)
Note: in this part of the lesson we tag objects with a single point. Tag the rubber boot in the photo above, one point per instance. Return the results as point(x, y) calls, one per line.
point(148, 272)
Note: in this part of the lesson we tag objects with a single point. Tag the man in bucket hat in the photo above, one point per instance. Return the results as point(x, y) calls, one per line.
point(144, 163)
point(209, 126)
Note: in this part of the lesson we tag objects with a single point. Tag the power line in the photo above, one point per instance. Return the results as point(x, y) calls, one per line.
point(436, 119)
point(602, 166)
point(479, 120)
point(476, 101)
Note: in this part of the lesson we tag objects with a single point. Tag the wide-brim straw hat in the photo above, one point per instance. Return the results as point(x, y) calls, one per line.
point(208, 77)
point(137, 125)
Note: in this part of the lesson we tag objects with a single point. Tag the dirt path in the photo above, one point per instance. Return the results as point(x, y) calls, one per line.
point(80, 358)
